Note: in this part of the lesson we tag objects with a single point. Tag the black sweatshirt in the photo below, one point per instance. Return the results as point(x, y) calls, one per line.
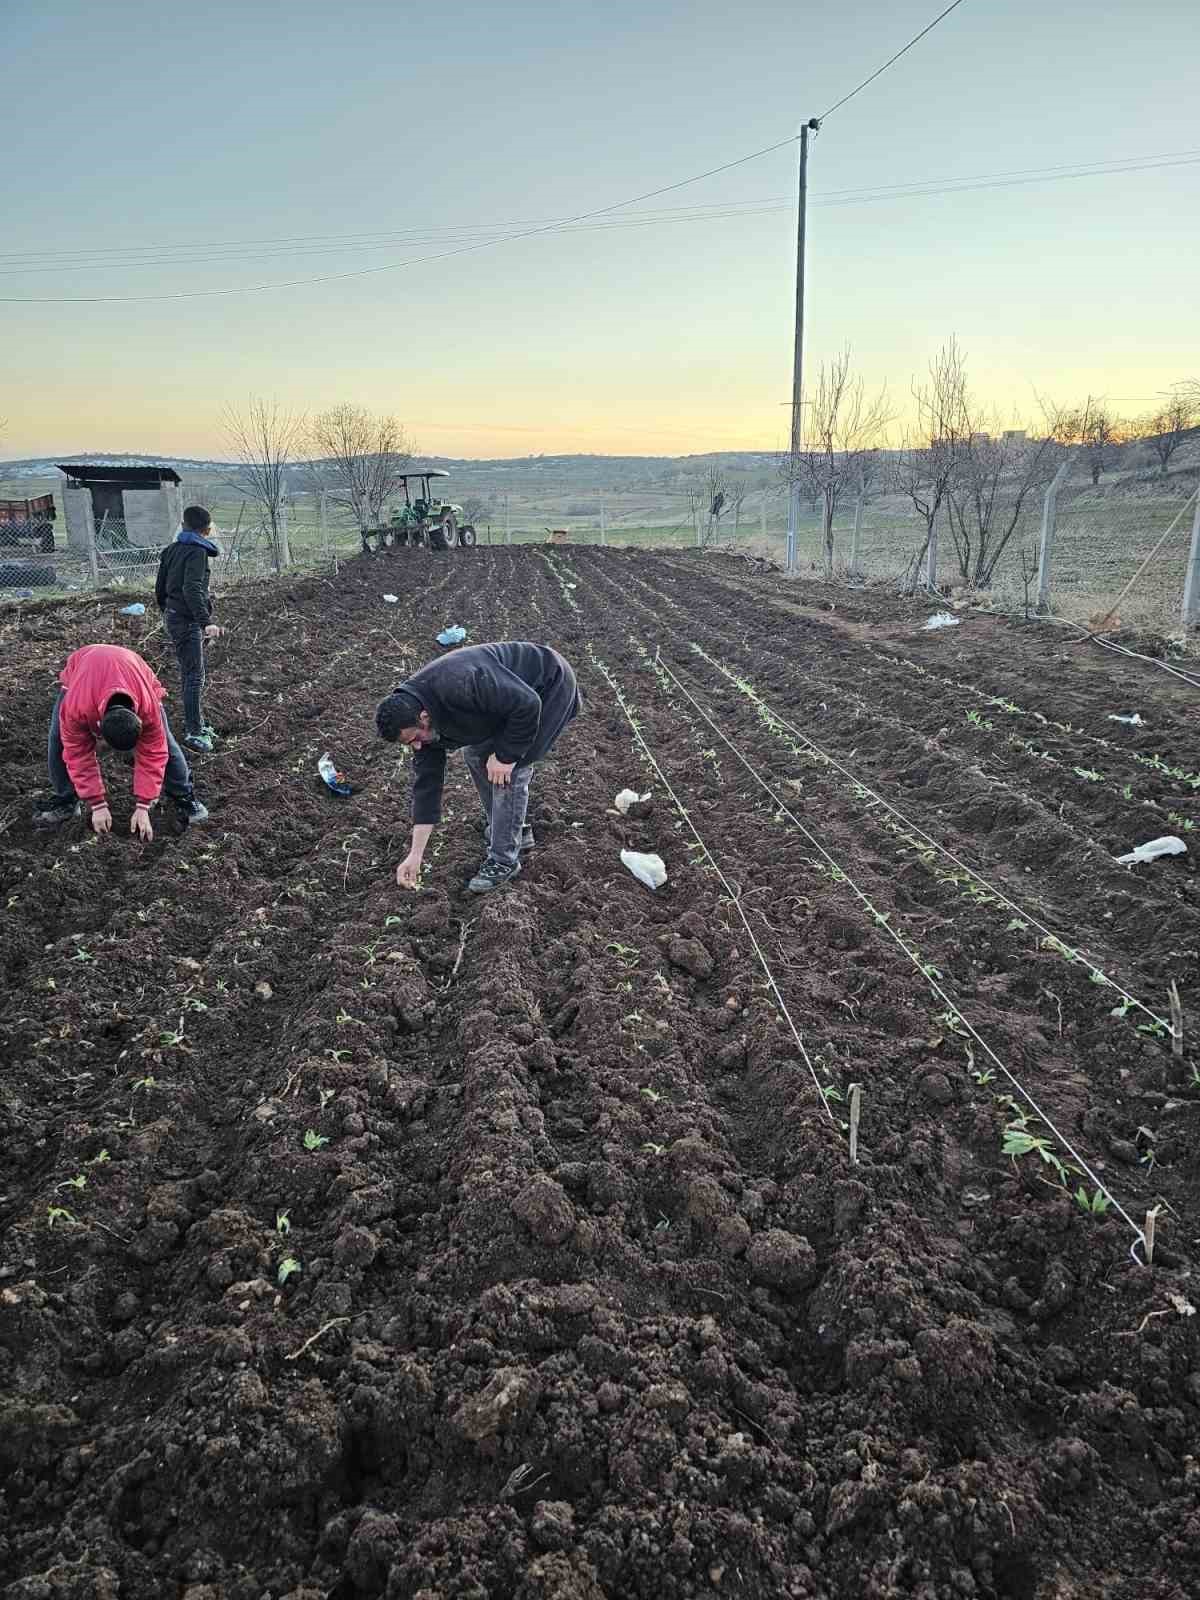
point(515, 697)
point(182, 582)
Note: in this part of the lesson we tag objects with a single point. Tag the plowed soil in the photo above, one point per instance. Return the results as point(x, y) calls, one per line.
point(360, 1243)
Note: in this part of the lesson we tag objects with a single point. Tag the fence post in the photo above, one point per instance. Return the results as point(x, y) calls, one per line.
point(1046, 550)
point(323, 520)
point(931, 560)
point(507, 523)
point(1191, 583)
point(602, 528)
point(93, 558)
point(792, 524)
point(762, 515)
point(860, 501)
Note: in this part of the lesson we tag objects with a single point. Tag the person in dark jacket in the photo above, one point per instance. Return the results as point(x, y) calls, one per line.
point(505, 706)
point(181, 590)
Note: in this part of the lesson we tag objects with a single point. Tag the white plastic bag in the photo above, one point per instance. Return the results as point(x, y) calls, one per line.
point(648, 869)
point(391, 599)
point(1168, 845)
point(941, 619)
point(1135, 721)
point(627, 798)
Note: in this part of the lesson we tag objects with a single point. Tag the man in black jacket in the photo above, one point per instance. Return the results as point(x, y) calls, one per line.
point(504, 705)
point(181, 590)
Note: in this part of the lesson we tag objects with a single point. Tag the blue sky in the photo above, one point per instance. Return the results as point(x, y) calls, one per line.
point(159, 134)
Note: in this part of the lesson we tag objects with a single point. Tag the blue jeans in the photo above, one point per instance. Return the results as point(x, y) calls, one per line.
point(504, 805)
point(188, 638)
point(177, 781)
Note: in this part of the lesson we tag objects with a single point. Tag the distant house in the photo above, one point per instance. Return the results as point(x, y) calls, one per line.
point(121, 506)
point(1014, 436)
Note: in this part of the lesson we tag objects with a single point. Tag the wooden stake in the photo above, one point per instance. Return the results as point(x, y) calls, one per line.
point(1176, 1019)
point(855, 1114)
point(1148, 1233)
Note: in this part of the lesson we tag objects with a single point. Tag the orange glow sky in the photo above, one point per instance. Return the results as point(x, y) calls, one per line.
point(167, 162)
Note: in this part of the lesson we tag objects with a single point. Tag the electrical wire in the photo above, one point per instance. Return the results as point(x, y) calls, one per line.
point(166, 254)
point(891, 61)
point(364, 272)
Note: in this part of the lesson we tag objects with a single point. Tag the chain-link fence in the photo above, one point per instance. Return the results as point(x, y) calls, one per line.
point(1075, 550)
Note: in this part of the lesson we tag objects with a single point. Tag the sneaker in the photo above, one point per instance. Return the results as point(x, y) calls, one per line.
point(189, 811)
point(209, 731)
point(199, 741)
point(527, 840)
point(52, 813)
point(491, 875)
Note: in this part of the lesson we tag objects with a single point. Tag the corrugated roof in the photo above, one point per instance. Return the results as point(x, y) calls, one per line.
point(133, 477)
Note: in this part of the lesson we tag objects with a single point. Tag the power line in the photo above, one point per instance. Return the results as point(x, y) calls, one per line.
point(879, 71)
point(364, 272)
point(721, 211)
point(323, 244)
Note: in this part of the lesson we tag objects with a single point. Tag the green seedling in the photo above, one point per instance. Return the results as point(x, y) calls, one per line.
point(339, 1055)
point(650, 1094)
point(325, 1096)
point(57, 1214)
point(982, 1078)
point(192, 1004)
point(1095, 1204)
point(314, 1140)
point(1154, 1029)
point(628, 955)
point(288, 1267)
point(79, 1181)
point(283, 1224)
point(100, 1159)
point(833, 1093)
point(1017, 926)
point(652, 1149)
point(172, 1038)
point(1089, 773)
point(343, 1017)
point(1018, 1141)
point(147, 1082)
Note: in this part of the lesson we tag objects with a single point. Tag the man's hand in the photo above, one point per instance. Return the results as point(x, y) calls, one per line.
point(408, 873)
point(101, 819)
point(500, 772)
point(212, 631)
point(139, 823)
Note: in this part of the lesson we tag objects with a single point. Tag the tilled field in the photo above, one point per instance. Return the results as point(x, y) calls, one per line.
point(363, 1244)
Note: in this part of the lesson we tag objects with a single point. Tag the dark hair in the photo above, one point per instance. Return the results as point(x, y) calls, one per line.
point(120, 726)
point(197, 519)
point(399, 711)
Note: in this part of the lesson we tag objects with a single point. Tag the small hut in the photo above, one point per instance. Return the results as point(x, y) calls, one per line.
point(121, 507)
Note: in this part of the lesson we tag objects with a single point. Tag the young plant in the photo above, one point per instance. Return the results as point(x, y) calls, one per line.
point(288, 1267)
point(283, 1224)
point(1095, 1204)
point(57, 1214)
point(314, 1140)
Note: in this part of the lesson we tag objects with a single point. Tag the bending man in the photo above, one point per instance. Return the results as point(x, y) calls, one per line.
point(504, 705)
point(110, 693)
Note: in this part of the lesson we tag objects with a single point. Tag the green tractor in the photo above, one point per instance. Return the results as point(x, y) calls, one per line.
point(424, 519)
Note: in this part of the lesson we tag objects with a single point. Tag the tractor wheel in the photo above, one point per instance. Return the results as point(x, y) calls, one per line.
point(444, 534)
point(466, 537)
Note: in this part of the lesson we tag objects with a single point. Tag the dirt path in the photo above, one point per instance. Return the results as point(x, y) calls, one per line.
point(359, 1244)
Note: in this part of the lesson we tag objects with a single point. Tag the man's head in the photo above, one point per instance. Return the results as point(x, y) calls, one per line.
point(120, 726)
point(197, 519)
point(402, 716)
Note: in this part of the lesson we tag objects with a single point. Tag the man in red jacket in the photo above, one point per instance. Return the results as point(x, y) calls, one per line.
point(110, 693)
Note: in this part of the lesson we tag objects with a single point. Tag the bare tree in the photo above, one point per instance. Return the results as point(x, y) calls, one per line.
point(843, 429)
point(735, 500)
point(1096, 429)
point(706, 503)
point(357, 459)
point(994, 477)
point(928, 457)
point(1165, 430)
point(264, 439)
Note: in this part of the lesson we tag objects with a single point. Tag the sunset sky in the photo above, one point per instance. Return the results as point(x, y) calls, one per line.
point(165, 150)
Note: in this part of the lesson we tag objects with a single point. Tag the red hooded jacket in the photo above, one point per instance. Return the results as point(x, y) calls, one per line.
point(90, 679)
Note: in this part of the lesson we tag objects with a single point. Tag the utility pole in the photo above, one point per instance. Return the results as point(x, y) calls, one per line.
point(812, 125)
point(1191, 583)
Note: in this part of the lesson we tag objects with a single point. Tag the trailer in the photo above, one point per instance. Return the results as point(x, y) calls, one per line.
point(28, 524)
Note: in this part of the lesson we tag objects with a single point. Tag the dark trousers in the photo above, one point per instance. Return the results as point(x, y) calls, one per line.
point(504, 805)
point(188, 638)
point(177, 781)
